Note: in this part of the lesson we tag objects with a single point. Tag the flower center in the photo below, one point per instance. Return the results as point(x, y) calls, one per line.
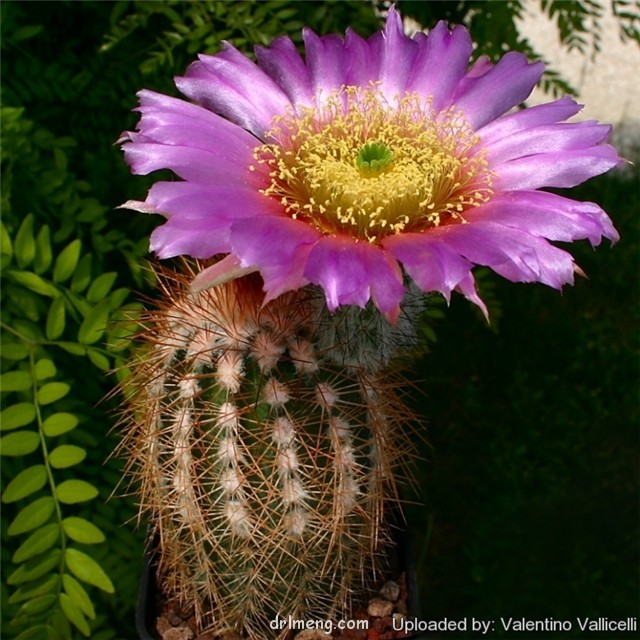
point(360, 166)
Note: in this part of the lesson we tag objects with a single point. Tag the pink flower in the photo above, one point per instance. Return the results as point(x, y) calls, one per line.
point(366, 161)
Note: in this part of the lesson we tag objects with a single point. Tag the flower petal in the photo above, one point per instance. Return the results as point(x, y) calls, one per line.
point(278, 246)
point(547, 139)
point(172, 121)
point(558, 169)
point(440, 63)
point(235, 87)
point(397, 55)
point(537, 115)
point(429, 261)
point(189, 163)
point(503, 86)
point(363, 58)
point(326, 62)
point(284, 64)
point(385, 278)
point(195, 200)
point(514, 254)
point(339, 268)
point(188, 236)
point(549, 216)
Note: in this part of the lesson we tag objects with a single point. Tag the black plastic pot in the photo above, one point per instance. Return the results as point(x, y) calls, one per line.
point(146, 612)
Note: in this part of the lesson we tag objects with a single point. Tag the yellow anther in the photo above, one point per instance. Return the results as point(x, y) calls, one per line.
point(362, 167)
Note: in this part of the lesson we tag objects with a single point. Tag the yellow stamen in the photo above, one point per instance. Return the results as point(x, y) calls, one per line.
point(360, 166)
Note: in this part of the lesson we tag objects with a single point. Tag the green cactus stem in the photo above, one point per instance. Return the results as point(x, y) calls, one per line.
point(264, 457)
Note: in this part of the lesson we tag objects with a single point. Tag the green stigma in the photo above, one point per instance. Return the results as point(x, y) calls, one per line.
point(373, 158)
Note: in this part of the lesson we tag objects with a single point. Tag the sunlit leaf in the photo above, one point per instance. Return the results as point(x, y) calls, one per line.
point(52, 392)
point(55, 319)
point(44, 369)
point(73, 613)
point(59, 423)
point(24, 247)
point(79, 595)
point(87, 570)
point(28, 481)
point(66, 262)
point(73, 491)
point(15, 381)
point(66, 455)
point(38, 542)
point(82, 530)
point(32, 516)
point(19, 443)
point(17, 415)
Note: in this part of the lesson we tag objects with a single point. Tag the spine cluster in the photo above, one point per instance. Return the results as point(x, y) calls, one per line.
point(263, 464)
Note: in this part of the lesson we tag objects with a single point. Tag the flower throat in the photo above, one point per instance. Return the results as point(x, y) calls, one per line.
point(360, 166)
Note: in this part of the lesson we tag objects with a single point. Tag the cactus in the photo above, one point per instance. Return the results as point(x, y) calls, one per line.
point(265, 452)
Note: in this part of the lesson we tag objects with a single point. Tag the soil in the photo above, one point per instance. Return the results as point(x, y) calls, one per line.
point(177, 623)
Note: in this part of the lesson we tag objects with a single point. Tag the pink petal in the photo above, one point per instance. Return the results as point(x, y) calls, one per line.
point(537, 115)
point(326, 61)
point(549, 216)
point(222, 271)
point(397, 55)
point(547, 139)
point(278, 247)
point(189, 163)
point(364, 59)
point(339, 268)
point(512, 253)
point(504, 86)
point(557, 169)
point(284, 64)
point(429, 261)
point(440, 63)
point(235, 87)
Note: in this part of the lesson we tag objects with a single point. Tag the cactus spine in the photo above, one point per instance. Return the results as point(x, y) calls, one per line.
point(263, 455)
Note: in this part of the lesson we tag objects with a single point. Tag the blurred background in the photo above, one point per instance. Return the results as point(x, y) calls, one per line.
point(527, 500)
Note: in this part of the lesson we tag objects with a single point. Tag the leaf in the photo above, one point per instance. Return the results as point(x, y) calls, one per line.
point(99, 359)
point(94, 325)
point(79, 595)
point(52, 391)
point(38, 632)
point(15, 381)
point(66, 455)
point(24, 247)
point(82, 275)
point(73, 613)
point(44, 369)
point(17, 415)
point(32, 590)
point(6, 248)
point(87, 569)
point(73, 348)
point(34, 282)
point(43, 250)
point(55, 319)
point(82, 530)
point(32, 516)
point(38, 605)
point(38, 542)
point(67, 261)
point(74, 491)
point(25, 483)
point(35, 568)
point(19, 443)
point(101, 286)
point(14, 351)
point(59, 423)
